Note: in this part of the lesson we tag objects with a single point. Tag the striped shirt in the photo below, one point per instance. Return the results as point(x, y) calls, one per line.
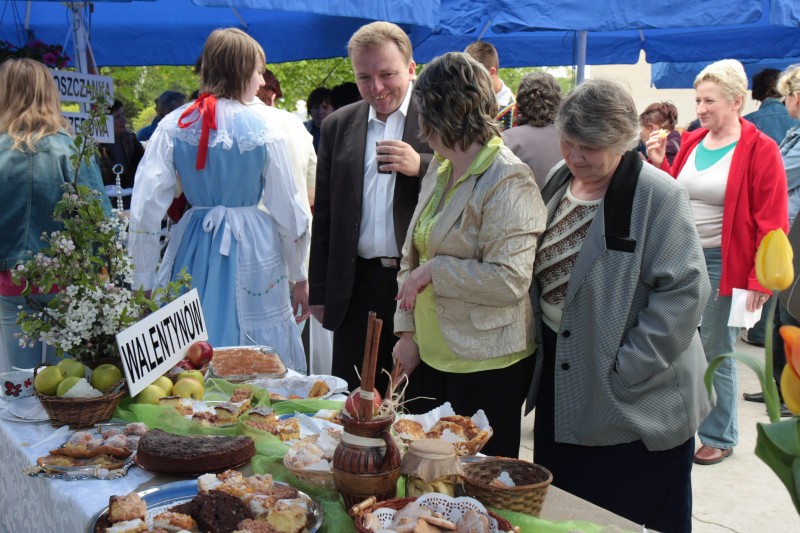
point(558, 251)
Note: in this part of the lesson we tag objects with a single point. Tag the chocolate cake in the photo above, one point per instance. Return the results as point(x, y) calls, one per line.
point(215, 511)
point(164, 452)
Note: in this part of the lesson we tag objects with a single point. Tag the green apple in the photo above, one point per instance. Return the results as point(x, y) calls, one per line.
point(149, 394)
point(104, 376)
point(189, 388)
point(71, 367)
point(165, 384)
point(47, 380)
point(193, 374)
point(66, 384)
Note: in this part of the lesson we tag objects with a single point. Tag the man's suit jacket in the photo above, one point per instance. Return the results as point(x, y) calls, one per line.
point(629, 361)
point(339, 197)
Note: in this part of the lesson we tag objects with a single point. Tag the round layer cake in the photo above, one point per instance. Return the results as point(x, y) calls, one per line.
point(167, 453)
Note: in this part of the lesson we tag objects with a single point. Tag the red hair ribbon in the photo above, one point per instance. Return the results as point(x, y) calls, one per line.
point(206, 107)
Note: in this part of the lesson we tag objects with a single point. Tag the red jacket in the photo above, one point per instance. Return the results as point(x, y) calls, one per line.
point(755, 202)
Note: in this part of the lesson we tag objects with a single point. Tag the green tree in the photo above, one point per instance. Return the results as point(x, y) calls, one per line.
point(138, 87)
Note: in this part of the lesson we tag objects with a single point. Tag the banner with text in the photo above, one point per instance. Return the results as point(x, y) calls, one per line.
point(155, 344)
point(73, 87)
point(101, 134)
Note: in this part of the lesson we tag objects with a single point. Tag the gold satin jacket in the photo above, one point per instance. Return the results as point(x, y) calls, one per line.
point(482, 250)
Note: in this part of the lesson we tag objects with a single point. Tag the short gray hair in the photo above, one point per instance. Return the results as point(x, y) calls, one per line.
point(601, 114)
point(729, 74)
point(789, 82)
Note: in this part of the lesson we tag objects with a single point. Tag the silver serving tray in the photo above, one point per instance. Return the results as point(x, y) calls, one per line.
point(163, 497)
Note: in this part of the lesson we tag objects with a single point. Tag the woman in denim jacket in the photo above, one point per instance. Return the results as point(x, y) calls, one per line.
point(35, 151)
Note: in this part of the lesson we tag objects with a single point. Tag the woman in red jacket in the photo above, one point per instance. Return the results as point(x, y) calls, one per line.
point(737, 189)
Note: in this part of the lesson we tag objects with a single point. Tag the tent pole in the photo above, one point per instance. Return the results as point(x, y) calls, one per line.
point(79, 37)
point(582, 36)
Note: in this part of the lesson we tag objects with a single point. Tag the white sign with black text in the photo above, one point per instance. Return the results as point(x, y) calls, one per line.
point(155, 344)
point(73, 86)
point(101, 135)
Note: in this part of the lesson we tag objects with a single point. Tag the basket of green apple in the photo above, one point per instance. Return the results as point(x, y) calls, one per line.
point(74, 395)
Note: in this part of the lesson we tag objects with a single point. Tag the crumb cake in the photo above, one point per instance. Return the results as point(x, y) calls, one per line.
point(182, 405)
point(126, 508)
point(173, 522)
point(246, 362)
point(128, 526)
point(160, 451)
point(319, 389)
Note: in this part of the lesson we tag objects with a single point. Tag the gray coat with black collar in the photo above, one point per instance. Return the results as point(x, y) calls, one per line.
point(629, 362)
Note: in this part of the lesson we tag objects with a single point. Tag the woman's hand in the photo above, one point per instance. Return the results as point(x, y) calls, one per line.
point(656, 148)
point(405, 354)
point(300, 298)
point(755, 300)
point(417, 280)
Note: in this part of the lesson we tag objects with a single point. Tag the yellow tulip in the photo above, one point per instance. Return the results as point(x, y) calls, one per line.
point(790, 389)
point(791, 347)
point(774, 268)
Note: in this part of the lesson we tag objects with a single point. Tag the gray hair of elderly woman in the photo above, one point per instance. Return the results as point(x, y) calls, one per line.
point(600, 114)
point(456, 101)
point(729, 74)
point(538, 97)
point(789, 82)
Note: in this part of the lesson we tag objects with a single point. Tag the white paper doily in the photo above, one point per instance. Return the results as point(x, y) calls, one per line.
point(451, 508)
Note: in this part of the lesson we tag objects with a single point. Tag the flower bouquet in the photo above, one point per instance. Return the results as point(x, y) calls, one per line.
point(51, 55)
point(778, 442)
point(87, 261)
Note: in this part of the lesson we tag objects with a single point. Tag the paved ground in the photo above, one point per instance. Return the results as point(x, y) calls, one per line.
point(741, 494)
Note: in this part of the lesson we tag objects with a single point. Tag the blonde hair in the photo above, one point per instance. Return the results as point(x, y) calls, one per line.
point(789, 82)
point(30, 107)
point(729, 75)
point(229, 58)
point(377, 34)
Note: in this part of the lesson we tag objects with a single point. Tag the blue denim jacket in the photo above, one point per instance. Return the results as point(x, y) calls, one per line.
point(790, 152)
point(30, 185)
point(773, 119)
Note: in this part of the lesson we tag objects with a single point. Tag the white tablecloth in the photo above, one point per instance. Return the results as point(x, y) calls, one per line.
point(38, 504)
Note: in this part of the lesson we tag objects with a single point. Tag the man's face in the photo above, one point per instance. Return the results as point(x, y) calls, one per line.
point(382, 75)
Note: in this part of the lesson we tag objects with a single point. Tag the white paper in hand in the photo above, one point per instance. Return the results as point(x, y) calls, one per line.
point(740, 317)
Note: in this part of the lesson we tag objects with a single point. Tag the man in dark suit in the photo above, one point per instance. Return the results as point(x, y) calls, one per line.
point(369, 167)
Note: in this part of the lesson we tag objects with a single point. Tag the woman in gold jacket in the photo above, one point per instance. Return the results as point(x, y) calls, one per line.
point(464, 318)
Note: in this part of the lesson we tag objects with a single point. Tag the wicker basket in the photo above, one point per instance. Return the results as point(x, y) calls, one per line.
point(526, 497)
point(358, 512)
point(320, 478)
point(81, 413)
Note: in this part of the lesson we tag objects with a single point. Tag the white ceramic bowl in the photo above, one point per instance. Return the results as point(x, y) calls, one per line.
point(16, 384)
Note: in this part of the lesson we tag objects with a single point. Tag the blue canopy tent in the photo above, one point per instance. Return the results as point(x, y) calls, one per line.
point(682, 75)
point(171, 32)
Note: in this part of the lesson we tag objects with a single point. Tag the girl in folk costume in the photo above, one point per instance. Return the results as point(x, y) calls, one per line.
point(229, 157)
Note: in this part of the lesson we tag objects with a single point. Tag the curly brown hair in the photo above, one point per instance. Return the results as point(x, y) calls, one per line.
point(662, 114)
point(456, 101)
point(538, 98)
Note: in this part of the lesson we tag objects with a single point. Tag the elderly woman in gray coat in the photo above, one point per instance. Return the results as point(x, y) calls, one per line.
point(618, 290)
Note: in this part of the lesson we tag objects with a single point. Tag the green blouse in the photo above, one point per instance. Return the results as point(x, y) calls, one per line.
point(428, 336)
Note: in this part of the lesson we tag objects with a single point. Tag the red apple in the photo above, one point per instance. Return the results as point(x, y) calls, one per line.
point(200, 354)
point(185, 364)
